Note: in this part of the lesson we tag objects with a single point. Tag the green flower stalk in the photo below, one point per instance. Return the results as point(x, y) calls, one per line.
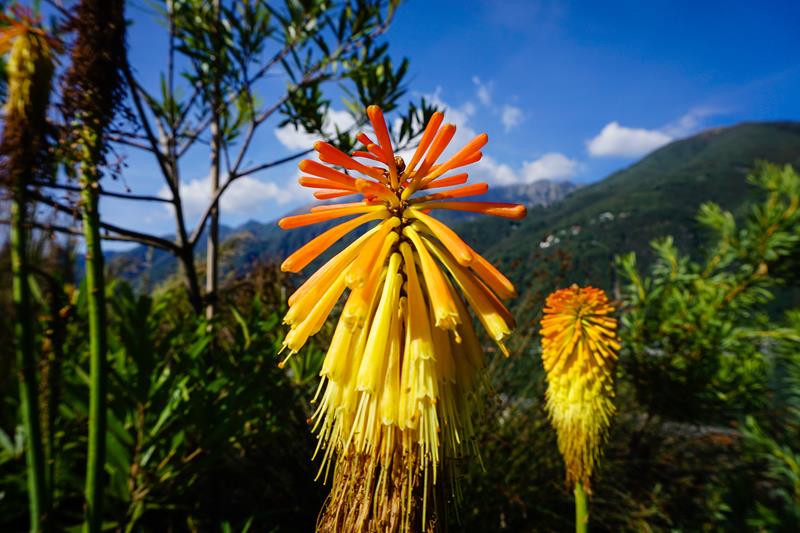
point(579, 352)
point(23, 148)
point(92, 92)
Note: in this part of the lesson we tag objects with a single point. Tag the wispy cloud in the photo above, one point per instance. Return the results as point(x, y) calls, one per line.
point(691, 121)
point(483, 91)
point(550, 166)
point(510, 116)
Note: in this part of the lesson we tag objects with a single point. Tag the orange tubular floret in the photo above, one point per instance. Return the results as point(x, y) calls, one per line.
point(474, 158)
point(331, 154)
point(384, 141)
point(430, 184)
point(468, 151)
point(492, 277)
point(317, 169)
point(473, 189)
point(438, 146)
point(298, 221)
point(379, 154)
point(425, 142)
point(442, 304)
point(322, 183)
point(330, 195)
point(330, 270)
point(460, 251)
point(328, 207)
point(449, 181)
point(366, 155)
point(497, 209)
point(377, 189)
point(364, 139)
point(312, 249)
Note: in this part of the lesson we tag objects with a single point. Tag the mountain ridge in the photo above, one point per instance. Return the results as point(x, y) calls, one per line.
point(571, 233)
point(265, 241)
point(656, 196)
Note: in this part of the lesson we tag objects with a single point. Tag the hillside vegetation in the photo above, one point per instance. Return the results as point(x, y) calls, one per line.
point(657, 196)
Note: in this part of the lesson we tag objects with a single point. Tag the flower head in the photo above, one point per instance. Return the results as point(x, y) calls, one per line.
point(399, 381)
point(579, 351)
point(30, 65)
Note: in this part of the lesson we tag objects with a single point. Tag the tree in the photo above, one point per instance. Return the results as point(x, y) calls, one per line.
point(221, 56)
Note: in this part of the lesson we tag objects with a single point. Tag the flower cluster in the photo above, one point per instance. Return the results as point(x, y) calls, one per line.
point(29, 68)
point(400, 380)
point(579, 351)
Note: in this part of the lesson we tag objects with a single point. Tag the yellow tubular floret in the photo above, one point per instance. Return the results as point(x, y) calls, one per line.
point(331, 269)
point(359, 270)
point(355, 313)
point(491, 313)
point(451, 241)
point(371, 369)
point(443, 306)
point(302, 257)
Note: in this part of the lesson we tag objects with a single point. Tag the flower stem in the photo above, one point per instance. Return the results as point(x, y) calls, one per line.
point(581, 509)
point(95, 286)
point(26, 363)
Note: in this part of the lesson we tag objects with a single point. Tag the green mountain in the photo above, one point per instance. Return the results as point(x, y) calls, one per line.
point(254, 241)
point(575, 240)
point(570, 235)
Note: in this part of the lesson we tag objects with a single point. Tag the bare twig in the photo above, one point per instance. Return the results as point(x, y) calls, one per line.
point(120, 139)
point(129, 234)
point(124, 196)
point(154, 144)
point(68, 230)
point(204, 218)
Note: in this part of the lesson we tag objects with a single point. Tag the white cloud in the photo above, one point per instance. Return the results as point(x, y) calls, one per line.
point(483, 90)
point(294, 139)
point(551, 166)
point(690, 122)
point(616, 140)
point(510, 116)
point(244, 198)
point(493, 172)
point(621, 141)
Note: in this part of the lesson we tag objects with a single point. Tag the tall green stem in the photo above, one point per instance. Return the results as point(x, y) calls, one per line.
point(26, 360)
point(95, 285)
point(581, 509)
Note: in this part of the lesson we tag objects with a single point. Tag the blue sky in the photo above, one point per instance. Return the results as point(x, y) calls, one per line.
point(565, 89)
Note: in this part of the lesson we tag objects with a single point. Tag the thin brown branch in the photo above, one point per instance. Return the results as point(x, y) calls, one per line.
point(121, 139)
point(154, 144)
point(67, 230)
point(204, 218)
point(112, 194)
point(128, 234)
